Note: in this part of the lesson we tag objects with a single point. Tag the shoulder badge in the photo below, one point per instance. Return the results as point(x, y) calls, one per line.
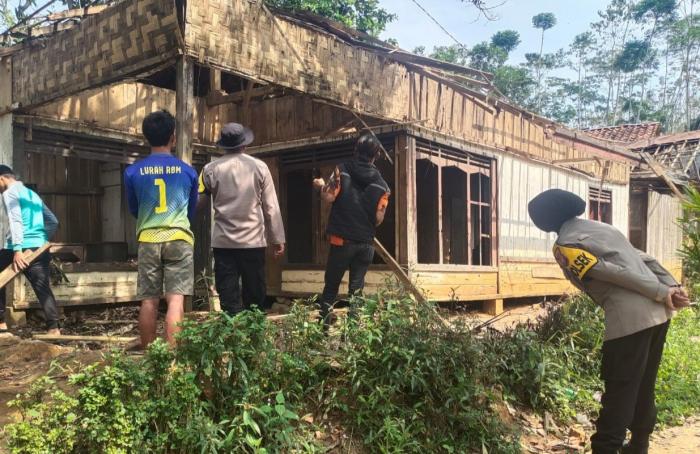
point(576, 262)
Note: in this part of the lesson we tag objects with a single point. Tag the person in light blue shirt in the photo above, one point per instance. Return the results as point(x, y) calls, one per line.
point(31, 224)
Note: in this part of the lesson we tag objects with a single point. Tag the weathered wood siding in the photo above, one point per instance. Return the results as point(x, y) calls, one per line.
point(526, 264)
point(519, 182)
point(307, 282)
point(664, 235)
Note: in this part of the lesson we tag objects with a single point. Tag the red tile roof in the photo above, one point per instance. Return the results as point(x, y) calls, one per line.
point(626, 133)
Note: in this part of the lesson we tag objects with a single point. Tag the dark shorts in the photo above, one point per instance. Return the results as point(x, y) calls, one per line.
point(165, 269)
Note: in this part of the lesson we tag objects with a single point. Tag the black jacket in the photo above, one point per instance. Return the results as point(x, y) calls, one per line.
point(354, 213)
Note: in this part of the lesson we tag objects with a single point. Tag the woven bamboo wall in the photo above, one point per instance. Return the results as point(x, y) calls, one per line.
point(240, 36)
point(125, 39)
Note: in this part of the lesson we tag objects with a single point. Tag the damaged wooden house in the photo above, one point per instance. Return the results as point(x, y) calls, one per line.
point(461, 162)
point(668, 164)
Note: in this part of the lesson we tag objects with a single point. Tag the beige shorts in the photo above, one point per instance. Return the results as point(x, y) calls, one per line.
point(165, 268)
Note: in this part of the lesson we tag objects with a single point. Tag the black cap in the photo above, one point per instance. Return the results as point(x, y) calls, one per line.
point(234, 135)
point(6, 170)
point(552, 208)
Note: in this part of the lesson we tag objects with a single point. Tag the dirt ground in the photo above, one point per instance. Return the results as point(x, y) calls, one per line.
point(24, 360)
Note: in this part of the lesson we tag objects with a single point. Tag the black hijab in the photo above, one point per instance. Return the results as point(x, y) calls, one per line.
point(552, 208)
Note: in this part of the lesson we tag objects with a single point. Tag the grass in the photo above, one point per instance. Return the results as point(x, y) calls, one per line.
point(678, 383)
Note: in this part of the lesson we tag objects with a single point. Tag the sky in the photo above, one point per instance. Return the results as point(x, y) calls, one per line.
point(413, 28)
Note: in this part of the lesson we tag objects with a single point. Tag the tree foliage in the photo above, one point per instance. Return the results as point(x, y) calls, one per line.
point(364, 15)
point(637, 62)
point(544, 21)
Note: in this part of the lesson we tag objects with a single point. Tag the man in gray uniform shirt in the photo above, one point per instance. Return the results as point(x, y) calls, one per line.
point(638, 296)
point(246, 217)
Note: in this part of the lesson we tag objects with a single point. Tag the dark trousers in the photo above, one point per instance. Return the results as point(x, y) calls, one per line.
point(39, 276)
point(629, 369)
point(355, 257)
point(234, 265)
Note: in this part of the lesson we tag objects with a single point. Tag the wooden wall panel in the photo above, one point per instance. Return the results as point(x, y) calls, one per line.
point(70, 188)
point(664, 235)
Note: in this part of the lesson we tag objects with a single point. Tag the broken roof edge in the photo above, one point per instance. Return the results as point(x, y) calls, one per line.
point(667, 139)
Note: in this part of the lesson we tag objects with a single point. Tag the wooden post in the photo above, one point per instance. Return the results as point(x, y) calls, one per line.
point(493, 307)
point(405, 197)
point(184, 106)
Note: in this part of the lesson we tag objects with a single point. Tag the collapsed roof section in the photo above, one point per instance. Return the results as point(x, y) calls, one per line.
point(299, 53)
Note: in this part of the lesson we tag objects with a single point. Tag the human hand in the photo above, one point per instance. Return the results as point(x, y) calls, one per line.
point(675, 299)
point(278, 250)
point(319, 183)
point(680, 299)
point(18, 262)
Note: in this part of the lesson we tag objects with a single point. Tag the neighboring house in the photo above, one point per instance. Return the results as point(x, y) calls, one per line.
point(654, 210)
point(462, 167)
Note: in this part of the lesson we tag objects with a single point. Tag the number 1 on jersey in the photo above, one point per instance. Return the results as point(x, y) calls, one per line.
point(163, 207)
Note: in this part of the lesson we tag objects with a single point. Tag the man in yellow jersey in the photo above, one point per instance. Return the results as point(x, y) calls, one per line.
point(162, 195)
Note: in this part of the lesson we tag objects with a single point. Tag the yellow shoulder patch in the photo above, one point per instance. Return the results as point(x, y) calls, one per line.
point(576, 261)
point(202, 188)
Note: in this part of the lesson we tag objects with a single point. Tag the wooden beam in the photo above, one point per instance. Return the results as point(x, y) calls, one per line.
point(661, 173)
point(219, 97)
point(184, 108)
point(78, 12)
point(9, 273)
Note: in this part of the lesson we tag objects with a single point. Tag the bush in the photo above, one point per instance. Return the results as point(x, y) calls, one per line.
point(553, 364)
point(410, 384)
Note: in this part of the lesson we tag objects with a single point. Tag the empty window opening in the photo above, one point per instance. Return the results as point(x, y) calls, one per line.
point(454, 216)
point(427, 211)
point(600, 205)
point(639, 205)
point(299, 199)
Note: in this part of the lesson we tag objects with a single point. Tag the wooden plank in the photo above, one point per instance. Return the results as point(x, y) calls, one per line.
point(66, 338)
point(9, 273)
point(185, 109)
point(398, 271)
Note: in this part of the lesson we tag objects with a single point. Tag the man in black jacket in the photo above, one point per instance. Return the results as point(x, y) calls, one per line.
point(360, 197)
